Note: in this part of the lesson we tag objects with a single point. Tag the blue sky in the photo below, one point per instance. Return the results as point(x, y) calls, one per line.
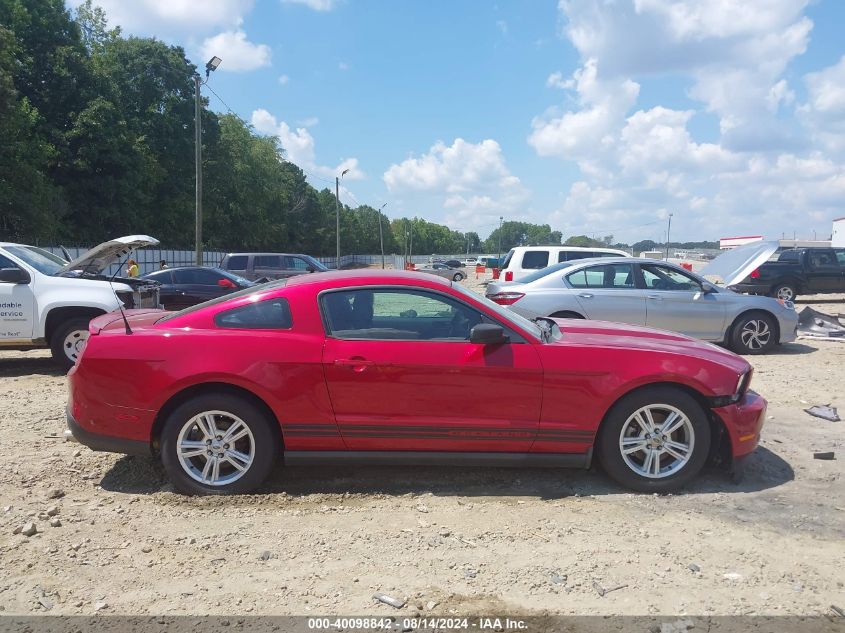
point(596, 116)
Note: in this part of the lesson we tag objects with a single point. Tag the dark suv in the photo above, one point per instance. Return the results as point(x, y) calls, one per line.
point(255, 266)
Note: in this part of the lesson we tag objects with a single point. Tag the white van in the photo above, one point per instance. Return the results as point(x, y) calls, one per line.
point(524, 260)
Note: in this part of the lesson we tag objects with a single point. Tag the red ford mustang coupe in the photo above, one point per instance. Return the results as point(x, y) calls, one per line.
point(403, 368)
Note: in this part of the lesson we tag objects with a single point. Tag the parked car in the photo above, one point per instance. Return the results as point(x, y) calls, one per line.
point(522, 261)
point(451, 263)
point(185, 286)
point(384, 367)
point(653, 293)
point(796, 271)
point(46, 301)
point(443, 270)
point(255, 266)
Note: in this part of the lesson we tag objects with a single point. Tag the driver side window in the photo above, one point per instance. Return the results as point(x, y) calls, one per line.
point(397, 315)
point(664, 278)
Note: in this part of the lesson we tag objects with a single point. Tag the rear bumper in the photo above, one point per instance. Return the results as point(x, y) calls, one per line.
point(744, 422)
point(106, 443)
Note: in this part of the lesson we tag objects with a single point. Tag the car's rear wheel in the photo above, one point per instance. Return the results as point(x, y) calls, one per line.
point(457, 277)
point(753, 333)
point(69, 340)
point(784, 292)
point(218, 444)
point(655, 440)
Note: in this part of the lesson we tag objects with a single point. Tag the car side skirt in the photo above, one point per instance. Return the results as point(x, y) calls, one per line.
point(438, 458)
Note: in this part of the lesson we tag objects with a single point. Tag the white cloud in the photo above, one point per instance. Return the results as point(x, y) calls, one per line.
point(502, 25)
point(298, 145)
point(173, 17)
point(284, 80)
point(316, 5)
point(238, 53)
point(308, 122)
point(343, 66)
point(637, 165)
point(470, 181)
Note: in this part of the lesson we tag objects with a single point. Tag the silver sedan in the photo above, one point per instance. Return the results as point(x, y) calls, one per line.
point(442, 270)
point(652, 293)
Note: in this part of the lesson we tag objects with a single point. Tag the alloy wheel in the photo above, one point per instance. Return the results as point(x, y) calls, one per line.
point(657, 441)
point(755, 334)
point(215, 448)
point(785, 293)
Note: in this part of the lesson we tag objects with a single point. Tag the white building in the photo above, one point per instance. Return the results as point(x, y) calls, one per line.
point(838, 238)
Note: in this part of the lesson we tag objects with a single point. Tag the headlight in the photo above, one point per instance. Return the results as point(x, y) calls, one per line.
point(786, 304)
point(742, 383)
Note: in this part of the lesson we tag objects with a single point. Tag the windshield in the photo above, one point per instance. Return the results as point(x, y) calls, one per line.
point(270, 285)
point(43, 261)
point(317, 265)
point(511, 317)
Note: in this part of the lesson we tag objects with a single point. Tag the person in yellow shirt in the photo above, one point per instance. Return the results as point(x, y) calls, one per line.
point(132, 269)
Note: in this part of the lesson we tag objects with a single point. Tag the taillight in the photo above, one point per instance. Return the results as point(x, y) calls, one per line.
point(508, 275)
point(507, 298)
point(755, 274)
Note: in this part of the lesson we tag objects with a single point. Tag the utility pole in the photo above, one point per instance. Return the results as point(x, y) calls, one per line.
point(668, 230)
point(210, 66)
point(337, 214)
point(380, 235)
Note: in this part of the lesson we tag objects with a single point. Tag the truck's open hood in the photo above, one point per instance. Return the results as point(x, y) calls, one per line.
point(104, 255)
point(734, 265)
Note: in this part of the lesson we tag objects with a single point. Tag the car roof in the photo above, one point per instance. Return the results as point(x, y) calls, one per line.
point(267, 253)
point(365, 276)
point(600, 249)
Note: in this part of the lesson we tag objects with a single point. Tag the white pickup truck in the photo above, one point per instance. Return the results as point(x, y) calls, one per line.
point(48, 302)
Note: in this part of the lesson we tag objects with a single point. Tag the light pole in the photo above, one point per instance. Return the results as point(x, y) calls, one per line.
point(337, 213)
point(210, 66)
point(668, 230)
point(380, 235)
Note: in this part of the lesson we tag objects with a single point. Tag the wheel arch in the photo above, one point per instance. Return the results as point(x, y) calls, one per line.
point(567, 314)
point(720, 444)
point(57, 316)
point(215, 388)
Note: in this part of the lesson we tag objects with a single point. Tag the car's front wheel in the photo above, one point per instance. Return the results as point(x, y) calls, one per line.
point(69, 340)
point(655, 440)
point(457, 277)
point(218, 444)
point(753, 333)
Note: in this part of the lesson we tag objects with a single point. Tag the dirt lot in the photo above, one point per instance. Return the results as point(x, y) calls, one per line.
point(449, 540)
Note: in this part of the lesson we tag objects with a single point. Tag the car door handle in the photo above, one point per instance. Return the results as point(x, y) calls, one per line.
point(585, 295)
point(355, 364)
point(655, 297)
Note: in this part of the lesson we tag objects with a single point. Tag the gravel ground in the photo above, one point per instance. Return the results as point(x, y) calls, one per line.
point(112, 537)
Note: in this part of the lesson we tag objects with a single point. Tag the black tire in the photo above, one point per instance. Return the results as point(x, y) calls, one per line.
point(566, 314)
point(65, 352)
point(753, 333)
point(610, 452)
point(457, 277)
point(265, 444)
point(786, 291)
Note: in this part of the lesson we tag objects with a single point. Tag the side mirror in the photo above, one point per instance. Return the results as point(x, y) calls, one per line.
point(14, 276)
point(226, 283)
point(708, 289)
point(487, 334)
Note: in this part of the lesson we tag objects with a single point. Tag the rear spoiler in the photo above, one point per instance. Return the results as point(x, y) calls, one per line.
point(98, 324)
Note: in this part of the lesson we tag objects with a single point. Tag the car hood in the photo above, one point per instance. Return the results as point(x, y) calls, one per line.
point(104, 255)
point(734, 265)
point(605, 333)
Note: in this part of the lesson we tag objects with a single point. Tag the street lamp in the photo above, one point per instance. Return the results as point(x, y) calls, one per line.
point(210, 67)
point(337, 212)
point(380, 236)
point(668, 230)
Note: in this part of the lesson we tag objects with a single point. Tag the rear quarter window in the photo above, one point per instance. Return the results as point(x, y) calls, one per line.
point(534, 260)
point(270, 314)
point(237, 262)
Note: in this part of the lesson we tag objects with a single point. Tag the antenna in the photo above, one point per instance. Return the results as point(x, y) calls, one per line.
point(119, 302)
